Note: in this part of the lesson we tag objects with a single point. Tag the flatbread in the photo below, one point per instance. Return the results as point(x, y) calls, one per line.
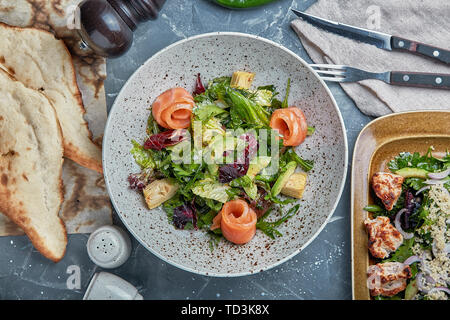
point(86, 205)
point(31, 159)
point(42, 62)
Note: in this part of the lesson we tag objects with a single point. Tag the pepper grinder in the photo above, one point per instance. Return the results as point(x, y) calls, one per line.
point(106, 26)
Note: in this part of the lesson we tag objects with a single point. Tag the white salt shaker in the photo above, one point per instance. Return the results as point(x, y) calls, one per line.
point(109, 246)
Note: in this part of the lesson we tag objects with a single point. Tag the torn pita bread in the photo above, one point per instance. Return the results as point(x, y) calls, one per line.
point(86, 205)
point(31, 159)
point(42, 62)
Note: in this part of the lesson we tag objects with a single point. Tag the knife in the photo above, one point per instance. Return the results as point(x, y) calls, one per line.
point(381, 40)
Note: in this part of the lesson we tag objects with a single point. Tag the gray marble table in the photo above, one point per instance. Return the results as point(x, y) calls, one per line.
point(321, 271)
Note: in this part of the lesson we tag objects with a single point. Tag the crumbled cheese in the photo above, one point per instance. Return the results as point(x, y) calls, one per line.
point(437, 265)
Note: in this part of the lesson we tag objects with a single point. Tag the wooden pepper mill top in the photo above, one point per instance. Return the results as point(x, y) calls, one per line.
point(106, 26)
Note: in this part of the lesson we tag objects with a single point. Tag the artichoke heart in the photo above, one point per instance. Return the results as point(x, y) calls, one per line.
point(159, 191)
point(295, 186)
point(242, 80)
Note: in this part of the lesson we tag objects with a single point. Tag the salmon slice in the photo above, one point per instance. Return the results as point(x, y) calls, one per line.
point(173, 108)
point(291, 124)
point(237, 221)
point(216, 221)
point(168, 97)
point(177, 116)
point(303, 124)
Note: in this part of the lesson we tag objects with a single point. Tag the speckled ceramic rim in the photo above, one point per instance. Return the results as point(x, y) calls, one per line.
point(341, 121)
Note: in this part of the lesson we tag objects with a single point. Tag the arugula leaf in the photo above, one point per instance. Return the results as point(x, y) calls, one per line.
point(382, 210)
point(404, 160)
point(423, 212)
point(214, 238)
point(213, 204)
point(291, 155)
point(277, 200)
point(204, 221)
point(276, 104)
point(186, 183)
point(403, 252)
point(415, 183)
point(310, 131)
point(184, 170)
point(187, 188)
point(427, 162)
point(171, 204)
point(269, 228)
point(285, 103)
point(427, 240)
point(162, 160)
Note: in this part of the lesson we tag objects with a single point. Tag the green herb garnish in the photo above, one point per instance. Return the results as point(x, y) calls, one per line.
point(269, 228)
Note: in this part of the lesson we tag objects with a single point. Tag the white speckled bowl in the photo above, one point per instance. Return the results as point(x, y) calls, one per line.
point(213, 55)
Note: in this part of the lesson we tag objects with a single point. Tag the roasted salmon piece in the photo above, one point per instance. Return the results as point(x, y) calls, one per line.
point(237, 221)
point(173, 108)
point(384, 238)
point(387, 279)
point(387, 187)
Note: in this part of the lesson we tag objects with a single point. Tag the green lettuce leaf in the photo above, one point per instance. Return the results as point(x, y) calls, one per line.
point(206, 110)
point(211, 128)
point(211, 190)
point(215, 90)
point(246, 182)
point(244, 110)
point(142, 156)
point(263, 97)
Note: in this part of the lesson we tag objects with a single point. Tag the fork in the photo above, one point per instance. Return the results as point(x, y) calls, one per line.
point(342, 73)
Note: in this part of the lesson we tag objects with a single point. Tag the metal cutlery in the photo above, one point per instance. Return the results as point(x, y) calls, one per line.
point(381, 40)
point(342, 73)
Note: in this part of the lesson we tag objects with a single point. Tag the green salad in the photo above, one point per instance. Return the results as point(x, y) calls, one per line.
point(228, 151)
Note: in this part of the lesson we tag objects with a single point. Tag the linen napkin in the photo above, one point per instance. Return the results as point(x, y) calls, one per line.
point(86, 204)
point(422, 21)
